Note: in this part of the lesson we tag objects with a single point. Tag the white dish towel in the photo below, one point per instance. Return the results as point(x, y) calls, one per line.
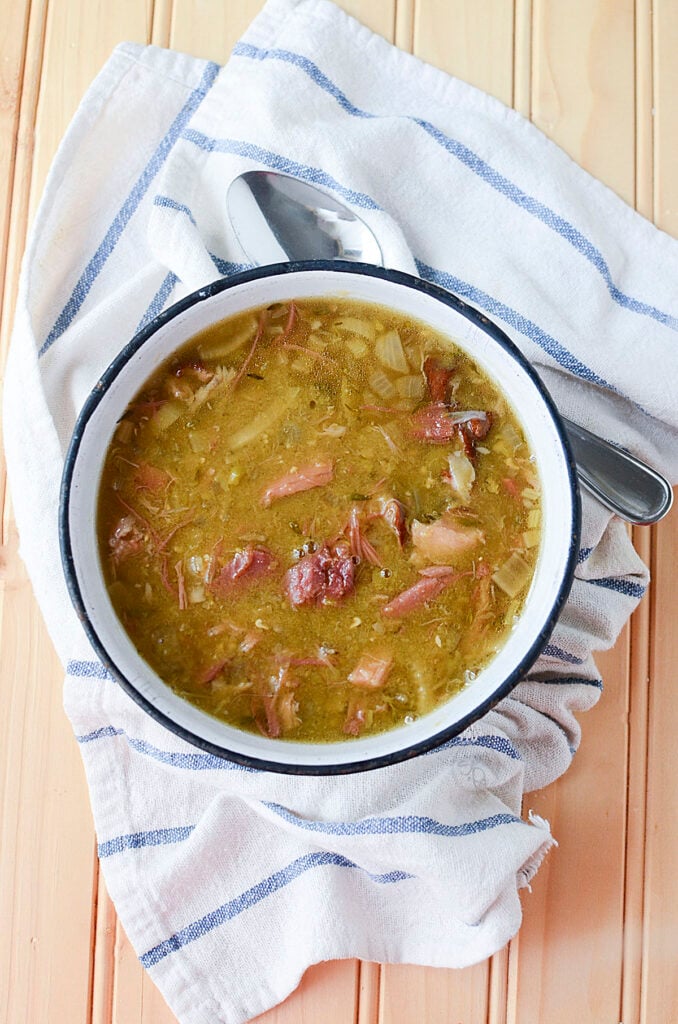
point(231, 882)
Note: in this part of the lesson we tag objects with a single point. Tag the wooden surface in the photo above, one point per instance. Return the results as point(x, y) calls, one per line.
point(600, 934)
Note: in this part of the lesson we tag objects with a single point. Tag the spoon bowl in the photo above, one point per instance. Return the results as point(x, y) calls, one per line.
point(278, 218)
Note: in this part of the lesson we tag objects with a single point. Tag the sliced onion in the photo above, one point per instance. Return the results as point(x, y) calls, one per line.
point(355, 326)
point(461, 476)
point(356, 347)
point(264, 420)
point(230, 343)
point(410, 387)
point(381, 385)
point(390, 352)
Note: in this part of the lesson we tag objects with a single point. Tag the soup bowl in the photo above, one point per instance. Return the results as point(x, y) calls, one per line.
point(470, 331)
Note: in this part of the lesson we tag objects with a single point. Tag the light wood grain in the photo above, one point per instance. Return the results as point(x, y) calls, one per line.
point(328, 991)
point(80, 36)
point(13, 39)
point(462, 38)
point(47, 863)
point(572, 935)
point(641, 624)
point(434, 996)
point(103, 958)
point(601, 924)
point(659, 992)
point(135, 997)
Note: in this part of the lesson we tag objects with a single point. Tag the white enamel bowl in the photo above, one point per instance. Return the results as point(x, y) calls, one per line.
point(492, 351)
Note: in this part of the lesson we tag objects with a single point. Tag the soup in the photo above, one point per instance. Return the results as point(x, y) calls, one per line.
point(318, 520)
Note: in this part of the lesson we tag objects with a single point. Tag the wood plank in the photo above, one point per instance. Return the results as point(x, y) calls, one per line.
point(473, 41)
point(522, 57)
point(640, 627)
point(636, 813)
point(104, 956)
point(498, 987)
point(665, 32)
point(46, 841)
point(434, 995)
point(380, 17)
point(404, 25)
point(17, 132)
point(583, 95)
point(210, 28)
point(659, 994)
point(161, 22)
point(13, 39)
point(566, 961)
point(328, 992)
point(87, 32)
point(218, 26)
point(136, 1000)
point(52, 858)
point(369, 992)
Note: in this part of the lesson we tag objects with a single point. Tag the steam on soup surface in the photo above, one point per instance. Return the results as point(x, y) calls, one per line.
point(318, 520)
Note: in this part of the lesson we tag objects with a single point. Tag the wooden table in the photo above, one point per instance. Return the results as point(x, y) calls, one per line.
point(600, 934)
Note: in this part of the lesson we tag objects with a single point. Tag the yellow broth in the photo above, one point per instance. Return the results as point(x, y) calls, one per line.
point(205, 554)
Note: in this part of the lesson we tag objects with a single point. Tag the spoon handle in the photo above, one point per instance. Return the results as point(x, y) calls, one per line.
point(621, 482)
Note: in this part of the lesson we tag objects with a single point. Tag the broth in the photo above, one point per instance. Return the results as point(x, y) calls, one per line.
point(318, 520)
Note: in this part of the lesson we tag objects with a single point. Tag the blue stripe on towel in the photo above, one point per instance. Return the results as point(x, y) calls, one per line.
point(567, 681)
point(192, 761)
point(401, 825)
point(278, 163)
point(100, 734)
point(480, 167)
point(226, 267)
point(308, 66)
point(516, 320)
point(158, 301)
point(87, 669)
point(489, 742)
point(128, 208)
point(177, 759)
point(134, 841)
point(584, 553)
point(267, 887)
point(619, 586)
point(167, 203)
point(552, 651)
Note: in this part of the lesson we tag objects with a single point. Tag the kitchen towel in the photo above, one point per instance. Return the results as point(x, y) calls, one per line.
point(229, 881)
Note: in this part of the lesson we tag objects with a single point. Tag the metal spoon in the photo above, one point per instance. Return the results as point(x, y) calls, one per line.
point(278, 218)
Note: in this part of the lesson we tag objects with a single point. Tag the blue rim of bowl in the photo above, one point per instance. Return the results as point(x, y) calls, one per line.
point(202, 294)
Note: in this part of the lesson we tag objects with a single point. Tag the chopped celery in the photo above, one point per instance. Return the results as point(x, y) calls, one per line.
point(512, 576)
